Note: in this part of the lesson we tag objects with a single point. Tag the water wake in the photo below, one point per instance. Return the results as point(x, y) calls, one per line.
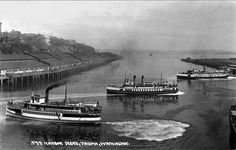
point(54, 97)
point(5, 99)
point(231, 77)
point(78, 95)
point(175, 94)
point(151, 130)
point(228, 78)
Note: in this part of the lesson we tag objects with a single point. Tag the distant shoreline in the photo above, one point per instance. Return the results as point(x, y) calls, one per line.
point(217, 63)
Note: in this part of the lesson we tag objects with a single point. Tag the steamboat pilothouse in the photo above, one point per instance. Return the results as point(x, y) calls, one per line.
point(143, 88)
point(39, 108)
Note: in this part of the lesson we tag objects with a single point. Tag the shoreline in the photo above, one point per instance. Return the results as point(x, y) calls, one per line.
point(26, 79)
point(218, 63)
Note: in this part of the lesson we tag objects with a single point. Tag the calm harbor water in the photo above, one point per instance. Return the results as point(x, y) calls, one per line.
point(197, 119)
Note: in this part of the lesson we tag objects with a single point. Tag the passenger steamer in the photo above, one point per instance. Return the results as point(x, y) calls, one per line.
point(143, 88)
point(202, 74)
point(39, 108)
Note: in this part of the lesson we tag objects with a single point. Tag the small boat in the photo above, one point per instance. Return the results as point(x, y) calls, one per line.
point(143, 88)
point(39, 108)
point(232, 119)
point(202, 74)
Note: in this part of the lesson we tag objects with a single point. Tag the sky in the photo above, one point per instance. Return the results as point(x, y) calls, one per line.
point(117, 25)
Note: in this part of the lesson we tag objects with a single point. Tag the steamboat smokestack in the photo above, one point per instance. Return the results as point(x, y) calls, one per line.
point(0, 28)
point(204, 68)
point(134, 78)
point(0, 32)
point(46, 96)
point(142, 79)
point(50, 88)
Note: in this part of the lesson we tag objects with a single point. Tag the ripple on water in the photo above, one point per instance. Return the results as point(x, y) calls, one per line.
point(150, 130)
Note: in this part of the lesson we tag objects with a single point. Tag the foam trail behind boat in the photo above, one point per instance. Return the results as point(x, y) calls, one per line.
point(228, 78)
point(5, 99)
point(150, 130)
point(175, 94)
point(231, 77)
point(78, 95)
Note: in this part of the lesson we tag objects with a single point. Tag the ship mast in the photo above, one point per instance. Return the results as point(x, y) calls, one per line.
point(65, 94)
point(125, 78)
point(161, 76)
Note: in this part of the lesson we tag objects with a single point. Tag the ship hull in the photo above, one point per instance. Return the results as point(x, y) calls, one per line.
point(194, 77)
point(55, 119)
point(232, 120)
point(232, 125)
point(130, 92)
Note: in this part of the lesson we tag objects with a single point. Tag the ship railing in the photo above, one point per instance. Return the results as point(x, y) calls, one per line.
point(81, 111)
point(15, 105)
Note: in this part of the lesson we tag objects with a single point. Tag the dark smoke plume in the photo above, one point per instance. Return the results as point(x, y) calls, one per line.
point(52, 87)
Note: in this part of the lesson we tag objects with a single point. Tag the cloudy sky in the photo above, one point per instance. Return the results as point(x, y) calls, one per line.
point(145, 25)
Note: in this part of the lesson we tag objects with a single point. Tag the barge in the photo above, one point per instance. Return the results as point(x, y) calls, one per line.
point(232, 120)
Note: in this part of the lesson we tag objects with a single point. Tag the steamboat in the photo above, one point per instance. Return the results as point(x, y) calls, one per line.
point(143, 88)
point(40, 109)
point(232, 119)
point(202, 74)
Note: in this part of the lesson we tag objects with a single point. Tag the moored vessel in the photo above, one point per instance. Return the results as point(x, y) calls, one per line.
point(202, 74)
point(39, 108)
point(143, 88)
point(232, 119)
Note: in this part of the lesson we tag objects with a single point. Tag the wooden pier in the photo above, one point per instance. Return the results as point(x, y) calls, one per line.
point(20, 78)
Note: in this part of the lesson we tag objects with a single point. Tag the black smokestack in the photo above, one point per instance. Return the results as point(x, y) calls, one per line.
point(134, 79)
point(50, 88)
point(204, 68)
point(142, 79)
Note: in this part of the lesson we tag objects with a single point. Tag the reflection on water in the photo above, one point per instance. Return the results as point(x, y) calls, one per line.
point(137, 103)
point(146, 99)
point(64, 132)
point(232, 141)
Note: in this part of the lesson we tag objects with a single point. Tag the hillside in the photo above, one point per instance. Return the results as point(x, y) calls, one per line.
point(16, 43)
